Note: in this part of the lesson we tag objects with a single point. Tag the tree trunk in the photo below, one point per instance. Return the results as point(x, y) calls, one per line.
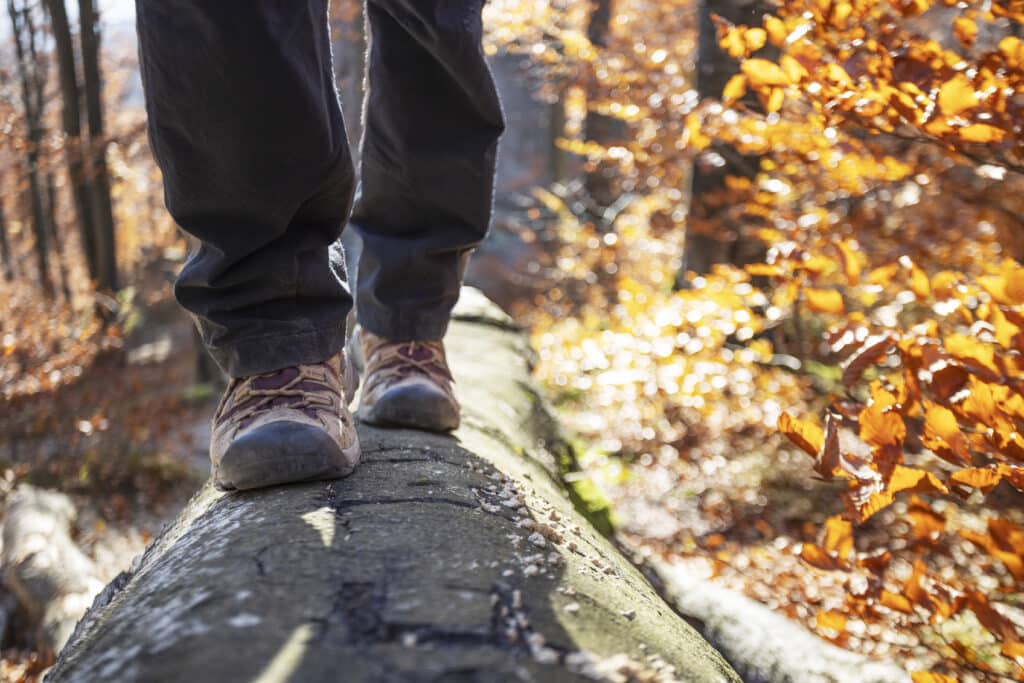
point(441, 558)
point(5, 245)
point(58, 249)
point(71, 120)
point(711, 238)
point(601, 128)
point(32, 84)
point(106, 245)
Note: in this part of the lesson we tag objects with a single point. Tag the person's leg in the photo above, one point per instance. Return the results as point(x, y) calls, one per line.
point(432, 125)
point(245, 124)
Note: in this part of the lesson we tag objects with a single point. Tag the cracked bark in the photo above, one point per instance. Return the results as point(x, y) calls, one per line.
point(441, 558)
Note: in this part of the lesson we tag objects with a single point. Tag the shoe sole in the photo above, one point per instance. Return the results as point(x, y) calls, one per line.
point(283, 453)
point(412, 408)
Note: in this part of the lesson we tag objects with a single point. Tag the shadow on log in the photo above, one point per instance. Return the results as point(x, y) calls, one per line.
point(441, 559)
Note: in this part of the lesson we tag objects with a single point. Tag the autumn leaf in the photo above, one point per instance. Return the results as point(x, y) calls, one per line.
point(942, 432)
point(873, 350)
point(931, 677)
point(903, 479)
point(1013, 649)
point(761, 73)
point(1004, 541)
point(916, 480)
point(983, 478)
point(805, 435)
point(825, 301)
point(956, 96)
point(995, 622)
point(838, 537)
point(827, 461)
point(1012, 50)
point(764, 269)
point(927, 524)
point(830, 620)
point(795, 71)
point(973, 353)
point(735, 89)
point(851, 261)
point(897, 602)
point(776, 30)
point(817, 557)
point(965, 30)
point(981, 133)
point(881, 427)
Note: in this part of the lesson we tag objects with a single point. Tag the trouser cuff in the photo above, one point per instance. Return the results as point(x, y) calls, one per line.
point(260, 355)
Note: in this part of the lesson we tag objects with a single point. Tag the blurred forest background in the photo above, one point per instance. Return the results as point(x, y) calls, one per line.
point(768, 254)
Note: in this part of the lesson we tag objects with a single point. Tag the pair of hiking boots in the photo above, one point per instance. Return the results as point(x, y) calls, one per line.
point(294, 424)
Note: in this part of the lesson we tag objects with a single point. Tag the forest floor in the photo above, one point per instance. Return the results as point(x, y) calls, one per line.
point(123, 434)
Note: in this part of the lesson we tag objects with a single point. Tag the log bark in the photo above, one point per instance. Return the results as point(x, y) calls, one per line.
point(443, 558)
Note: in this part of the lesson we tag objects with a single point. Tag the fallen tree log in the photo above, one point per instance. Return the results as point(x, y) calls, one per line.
point(51, 578)
point(762, 645)
point(440, 559)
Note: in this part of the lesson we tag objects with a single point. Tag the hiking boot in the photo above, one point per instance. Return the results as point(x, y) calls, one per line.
point(286, 426)
point(406, 384)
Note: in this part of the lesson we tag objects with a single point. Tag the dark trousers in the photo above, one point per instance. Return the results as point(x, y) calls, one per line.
point(245, 124)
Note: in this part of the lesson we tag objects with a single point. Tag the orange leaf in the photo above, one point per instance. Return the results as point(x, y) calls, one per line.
point(883, 275)
point(825, 301)
point(897, 602)
point(851, 262)
point(871, 351)
point(966, 30)
point(942, 432)
point(806, 435)
point(1012, 50)
point(981, 133)
point(817, 557)
point(794, 69)
point(830, 620)
point(764, 269)
point(930, 677)
point(734, 89)
point(984, 478)
point(761, 73)
point(880, 427)
point(1013, 283)
point(838, 537)
point(776, 30)
point(927, 523)
point(913, 479)
point(1013, 649)
point(973, 354)
point(774, 101)
point(956, 95)
point(995, 622)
